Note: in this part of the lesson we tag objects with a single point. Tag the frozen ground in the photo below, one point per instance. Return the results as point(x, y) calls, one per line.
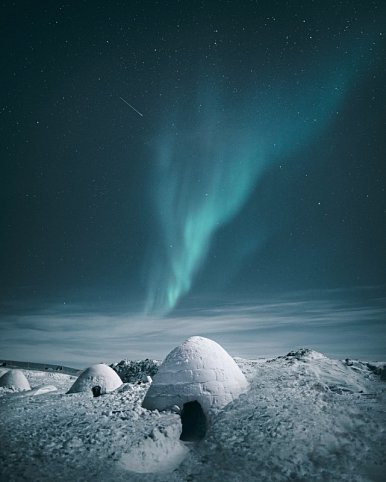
point(305, 418)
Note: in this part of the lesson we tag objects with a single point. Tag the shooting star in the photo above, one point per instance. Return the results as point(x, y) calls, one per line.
point(134, 109)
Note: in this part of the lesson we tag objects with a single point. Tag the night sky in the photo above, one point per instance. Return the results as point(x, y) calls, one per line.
point(179, 168)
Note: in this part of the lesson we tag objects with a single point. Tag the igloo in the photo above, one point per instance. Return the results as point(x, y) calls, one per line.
point(199, 374)
point(97, 379)
point(14, 379)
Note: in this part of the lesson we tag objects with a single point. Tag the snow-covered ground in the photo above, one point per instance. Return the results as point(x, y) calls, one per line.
point(305, 418)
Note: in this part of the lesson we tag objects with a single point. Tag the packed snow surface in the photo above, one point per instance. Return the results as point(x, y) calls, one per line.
point(14, 379)
point(304, 418)
point(199, 369)
point(99, 375)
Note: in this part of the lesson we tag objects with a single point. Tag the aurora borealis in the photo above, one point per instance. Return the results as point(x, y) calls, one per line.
point(166, 162)
point(210, 157)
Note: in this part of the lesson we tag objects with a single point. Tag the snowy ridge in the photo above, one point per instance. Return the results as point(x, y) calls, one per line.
point(305, 418)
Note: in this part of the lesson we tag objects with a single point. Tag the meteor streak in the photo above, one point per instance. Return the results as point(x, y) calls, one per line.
point(131, 106)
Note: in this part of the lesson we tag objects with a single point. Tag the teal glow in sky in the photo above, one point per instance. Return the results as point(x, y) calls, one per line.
point(207, 167)
point(256, 171)
point(203, 182)
point(211, 155)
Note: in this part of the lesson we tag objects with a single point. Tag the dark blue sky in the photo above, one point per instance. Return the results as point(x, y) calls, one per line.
point(257, 168)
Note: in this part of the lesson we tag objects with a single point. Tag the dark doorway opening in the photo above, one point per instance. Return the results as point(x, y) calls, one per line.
point(96, 391)
point(194, 423)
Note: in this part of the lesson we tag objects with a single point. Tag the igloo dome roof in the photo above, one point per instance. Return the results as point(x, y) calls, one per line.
point(199, 369)
point(15, 379)
point(97, 375)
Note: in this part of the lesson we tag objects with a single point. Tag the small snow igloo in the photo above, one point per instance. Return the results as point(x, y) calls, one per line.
point(97, 379)
point(197, 376)
point(14, 379)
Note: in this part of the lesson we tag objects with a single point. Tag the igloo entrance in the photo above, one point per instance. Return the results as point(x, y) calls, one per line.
point(97, 390)
point(194, 423)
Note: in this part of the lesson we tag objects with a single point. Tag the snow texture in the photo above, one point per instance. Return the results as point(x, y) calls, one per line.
point(161, 451)
point(14, 379)
point(97, 375)
point(304, 418)
point(199, 369)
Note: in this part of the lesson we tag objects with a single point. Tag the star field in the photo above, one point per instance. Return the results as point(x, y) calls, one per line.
point(257, 167)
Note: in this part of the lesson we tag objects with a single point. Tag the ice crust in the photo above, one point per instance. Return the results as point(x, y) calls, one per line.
point(199, 369)
point(97, 375)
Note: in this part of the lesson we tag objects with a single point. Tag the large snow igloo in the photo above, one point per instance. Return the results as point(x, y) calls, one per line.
point(14, 379)
point(97, 379)
point(197, 376)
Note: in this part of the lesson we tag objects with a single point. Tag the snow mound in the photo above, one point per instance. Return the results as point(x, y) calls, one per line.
point(197, 370)
point(313, 419)
point(15, 379)
point(43, 390)
point(160, 452)
point(136, 371)
point(328, 374)
point(99, 375)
